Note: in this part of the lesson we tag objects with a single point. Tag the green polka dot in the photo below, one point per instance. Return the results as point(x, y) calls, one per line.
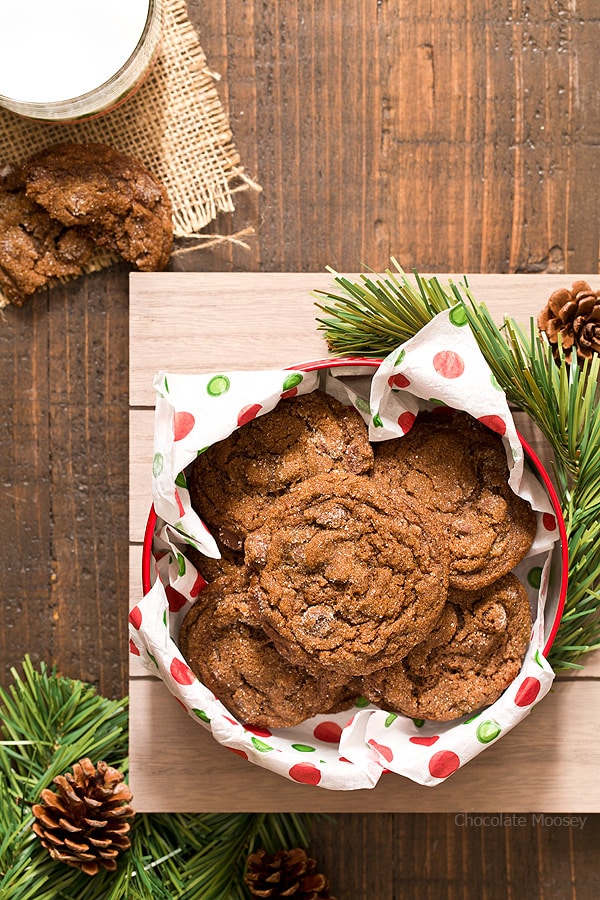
point(303, 748)
point(494, 382)
point(539, 659)
point(202, 450)
point(201, 715)
point(377, 421)
point(218, 384)
point(458, 315)
point(361, 701)
point(157, 464)
point(487, 731)
point(166, 384)
point(153, 660)
point(436, 402)
point(180, 480)
point(419, 722)
point(400, 357)
point(534, 577)
point(181, 564)
point(260, 745)
point(471, 718)
point(165, 618)
point(362, 405)
point(292, 381)
point(391, 718)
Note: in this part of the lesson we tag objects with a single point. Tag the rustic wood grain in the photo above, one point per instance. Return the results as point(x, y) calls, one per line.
point(530, 769)
point(459, 137)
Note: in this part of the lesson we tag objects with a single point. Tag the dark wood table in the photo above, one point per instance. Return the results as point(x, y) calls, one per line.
point(457, 137)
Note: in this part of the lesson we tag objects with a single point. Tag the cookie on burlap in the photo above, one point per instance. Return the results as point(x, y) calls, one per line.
point(471, 656)
point(233, 483)
point(120, 204)
point(33, 247)
point(453, 465)
point(348, 577)
point(227, 650)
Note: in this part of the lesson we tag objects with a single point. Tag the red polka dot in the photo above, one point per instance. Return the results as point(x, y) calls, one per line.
point(448, 364)
point(135, 617)
point(528, 691)
point(494, 423)
point(406, 421)
point(176, 600)
point(238, 752)
point(133, 649)
point(382, 749)
point(230, 720)
point(425, 741)
point(179, 503)
point(248, 413)
point(549, 521)
point(182, 705)
point(305, 773)
point(287, 394)
point(343, 759)
point(181, 672)
point(443, 763)
point(330, 732)
point(398, 381)
point(183, 422)
point(197, 586)
point(258, 730)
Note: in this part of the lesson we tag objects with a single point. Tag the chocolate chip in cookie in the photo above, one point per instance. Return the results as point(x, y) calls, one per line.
point(34, 248)
point(349, 578)
point(233, 484)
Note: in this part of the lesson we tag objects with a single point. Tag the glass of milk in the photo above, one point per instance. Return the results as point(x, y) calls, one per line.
point(64, 60)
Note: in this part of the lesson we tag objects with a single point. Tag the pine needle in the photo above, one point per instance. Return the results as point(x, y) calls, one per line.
point(373, 316)
point(47, 723)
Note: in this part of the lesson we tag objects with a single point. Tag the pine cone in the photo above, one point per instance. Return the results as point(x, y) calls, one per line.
point(288, 873)
point(575, 315)
point(82, 824)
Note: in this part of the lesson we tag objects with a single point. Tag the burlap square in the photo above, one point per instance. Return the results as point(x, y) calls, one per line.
point(175, 124)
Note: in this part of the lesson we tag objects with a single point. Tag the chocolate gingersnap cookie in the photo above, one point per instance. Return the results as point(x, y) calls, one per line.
point(471, 656)
point(348, 577)
point(455, 467)
point(234, 482)
point(34, 248)
point(110, 194)
point(234, 658)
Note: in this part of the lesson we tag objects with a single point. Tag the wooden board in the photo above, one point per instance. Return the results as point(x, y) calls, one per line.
point(190, 322)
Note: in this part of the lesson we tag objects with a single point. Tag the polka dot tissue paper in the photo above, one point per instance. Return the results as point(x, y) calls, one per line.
point(440, 366)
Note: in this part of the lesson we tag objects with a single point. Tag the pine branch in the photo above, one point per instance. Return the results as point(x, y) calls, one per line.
point(372, 317)
point(46, 724)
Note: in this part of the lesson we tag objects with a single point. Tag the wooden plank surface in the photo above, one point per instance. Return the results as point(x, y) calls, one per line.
point(172, 327)
point(455, 136)
point(543, 764)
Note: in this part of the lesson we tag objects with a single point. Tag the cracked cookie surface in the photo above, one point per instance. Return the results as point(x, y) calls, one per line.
point(234, 482)
point(34, 248)
point(471, 656)
point(229, 652)
point(120, 204)
point(348, 578)
point(456, 467)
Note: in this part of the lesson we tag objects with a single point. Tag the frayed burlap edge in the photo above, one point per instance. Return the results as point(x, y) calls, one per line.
point(175, 124)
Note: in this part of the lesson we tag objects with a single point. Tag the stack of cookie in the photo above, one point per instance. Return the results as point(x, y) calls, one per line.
point(349, 568)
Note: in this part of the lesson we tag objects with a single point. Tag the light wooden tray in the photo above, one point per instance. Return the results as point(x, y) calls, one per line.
point(195, 322)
